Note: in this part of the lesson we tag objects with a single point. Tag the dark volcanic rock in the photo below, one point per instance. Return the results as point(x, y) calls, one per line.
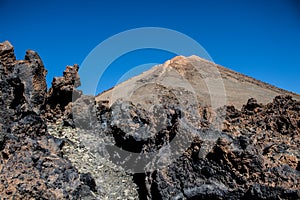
point(142, 138)
point(7, 57)
point(63, 88)
point(81, 113)
point(62, 93)
point(255, 156)
point(31, 164)
point(23, 88)
point(258, 162)
point(32, 168)
point(22, 84)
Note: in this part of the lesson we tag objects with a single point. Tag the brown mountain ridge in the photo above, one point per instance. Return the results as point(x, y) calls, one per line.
point(192, 73)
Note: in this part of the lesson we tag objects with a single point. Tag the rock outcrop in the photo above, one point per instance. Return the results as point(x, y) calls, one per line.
point(259, 160)
point(63, 90)
point(255, 156)
point(31, 162)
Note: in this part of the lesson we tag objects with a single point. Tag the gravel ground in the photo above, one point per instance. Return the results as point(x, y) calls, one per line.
point(81, 148)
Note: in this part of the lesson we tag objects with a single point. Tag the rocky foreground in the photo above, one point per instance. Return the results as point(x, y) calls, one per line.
point(61, 144)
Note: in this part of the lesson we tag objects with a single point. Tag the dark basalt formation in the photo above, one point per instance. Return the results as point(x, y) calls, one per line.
point(31, 163)
point(260, 160)
point(169, 153)
point(62, 92)
point(255, 156)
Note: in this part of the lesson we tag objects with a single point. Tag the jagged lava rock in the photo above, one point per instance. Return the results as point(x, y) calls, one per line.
point(63, 90)
point(259, 160)
point(31, 163)
point(62, 93)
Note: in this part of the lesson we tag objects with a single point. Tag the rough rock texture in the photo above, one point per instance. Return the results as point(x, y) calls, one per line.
point(255, 156)
point(63, 89)
point(138, 135)
point(259, 159)
point(81, 113)
point(83, 149)
point(62, 93)
point(31, 163)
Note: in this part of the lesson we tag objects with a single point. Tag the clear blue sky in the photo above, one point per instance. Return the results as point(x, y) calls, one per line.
point(260, 38)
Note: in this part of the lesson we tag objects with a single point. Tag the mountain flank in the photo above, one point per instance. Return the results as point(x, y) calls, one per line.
point(193, 73)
